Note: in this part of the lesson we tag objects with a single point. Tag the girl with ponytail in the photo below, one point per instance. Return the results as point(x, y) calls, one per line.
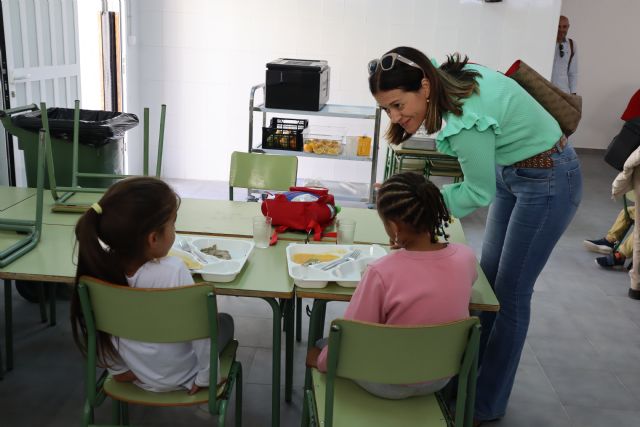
point(124, 239)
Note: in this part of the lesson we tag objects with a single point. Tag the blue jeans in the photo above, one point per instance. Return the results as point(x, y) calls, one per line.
point(531, 210)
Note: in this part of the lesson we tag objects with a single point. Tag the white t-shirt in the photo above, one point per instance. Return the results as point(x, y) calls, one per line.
point(565, 74)
point(164, 366)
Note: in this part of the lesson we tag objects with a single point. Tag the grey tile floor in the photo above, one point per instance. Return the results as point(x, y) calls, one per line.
point(579, 367)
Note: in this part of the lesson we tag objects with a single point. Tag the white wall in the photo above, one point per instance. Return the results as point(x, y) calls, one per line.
point(90, 54)
point(607, 35)
point(201, 57)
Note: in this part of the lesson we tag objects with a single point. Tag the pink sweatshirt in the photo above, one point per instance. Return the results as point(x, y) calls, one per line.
point(414, 288)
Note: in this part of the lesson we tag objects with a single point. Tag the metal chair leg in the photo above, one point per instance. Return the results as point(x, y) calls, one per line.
point(239, 396)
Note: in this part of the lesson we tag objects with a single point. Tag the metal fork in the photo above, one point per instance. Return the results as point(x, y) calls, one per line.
point(185, 246)
point(352, 256)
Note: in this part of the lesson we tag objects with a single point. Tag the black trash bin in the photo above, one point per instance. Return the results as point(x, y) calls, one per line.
point(100, 148)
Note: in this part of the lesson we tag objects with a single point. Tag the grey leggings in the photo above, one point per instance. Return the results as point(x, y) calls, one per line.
point(225, 330)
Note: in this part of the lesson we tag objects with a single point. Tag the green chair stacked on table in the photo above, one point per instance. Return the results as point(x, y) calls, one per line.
point(32, 229)
point(62, 199)
point(262, 172)
point(30, 232)
point(444, 167)
point(393, 355)
point(161, 316)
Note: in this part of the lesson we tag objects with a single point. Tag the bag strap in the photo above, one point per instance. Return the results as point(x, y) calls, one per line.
point(316, 229)
point(572, 53)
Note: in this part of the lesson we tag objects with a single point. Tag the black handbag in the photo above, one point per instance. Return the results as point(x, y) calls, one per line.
point(623, 144)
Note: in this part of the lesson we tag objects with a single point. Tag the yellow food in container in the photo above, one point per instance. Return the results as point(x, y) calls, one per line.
point(301, 258)
point(364, 146)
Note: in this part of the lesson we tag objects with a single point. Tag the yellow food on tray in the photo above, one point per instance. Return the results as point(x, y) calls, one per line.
point(325, 146)
point(188, 261)
point(301, 258)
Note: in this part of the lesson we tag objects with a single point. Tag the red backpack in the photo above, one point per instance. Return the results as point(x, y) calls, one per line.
point(309, 216)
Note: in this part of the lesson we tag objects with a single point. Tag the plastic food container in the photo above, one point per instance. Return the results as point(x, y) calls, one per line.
point(312, 276)
point(323, 145)
point(215, 269)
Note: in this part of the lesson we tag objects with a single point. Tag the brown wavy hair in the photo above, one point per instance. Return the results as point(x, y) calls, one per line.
point(449, 85)
point(108, 242)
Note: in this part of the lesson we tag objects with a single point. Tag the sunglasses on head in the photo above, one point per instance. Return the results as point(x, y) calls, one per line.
point(388, 61)
point(561, 47)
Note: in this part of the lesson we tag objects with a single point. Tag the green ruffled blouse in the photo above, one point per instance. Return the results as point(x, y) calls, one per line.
point(500, 125)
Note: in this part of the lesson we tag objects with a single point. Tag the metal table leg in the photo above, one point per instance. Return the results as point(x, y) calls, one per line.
point(298, 319)
point(42, 301)
point(52, 303)
point(275, 375)
point(289, 330)
point(8, 323)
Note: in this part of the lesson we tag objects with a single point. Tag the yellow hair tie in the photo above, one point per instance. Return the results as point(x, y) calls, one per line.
point(96, 207)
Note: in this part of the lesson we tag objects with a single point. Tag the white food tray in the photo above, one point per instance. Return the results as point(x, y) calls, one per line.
point(347, 274)
point(215, 269)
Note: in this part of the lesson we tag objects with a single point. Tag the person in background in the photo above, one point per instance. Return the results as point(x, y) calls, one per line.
point(624, 221)
point(425, 282)
point(616, 234)
point(565, 59)
point(515, 158)
point(124, 239)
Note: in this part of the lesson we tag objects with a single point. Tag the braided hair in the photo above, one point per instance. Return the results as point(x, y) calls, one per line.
point(411, 198)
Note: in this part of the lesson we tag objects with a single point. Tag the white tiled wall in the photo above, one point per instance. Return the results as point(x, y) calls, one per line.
point(201, 57)
point(606, 34)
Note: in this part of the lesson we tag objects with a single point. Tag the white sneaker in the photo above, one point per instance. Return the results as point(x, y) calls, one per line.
point(601, 246)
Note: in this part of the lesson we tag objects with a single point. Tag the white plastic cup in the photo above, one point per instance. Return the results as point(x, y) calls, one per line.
point(262, 231)
point(351, 149)
point(346, 231)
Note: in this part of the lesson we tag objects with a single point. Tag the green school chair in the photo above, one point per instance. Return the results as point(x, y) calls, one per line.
point(28, 234)
point(162, 316)
point(393, 355)
point(62, 195)
point(31, 229)
point(262, 171)
point(441, 167)
point(265, 172)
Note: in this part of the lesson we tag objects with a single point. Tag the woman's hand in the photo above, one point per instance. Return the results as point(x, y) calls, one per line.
point(125, 377)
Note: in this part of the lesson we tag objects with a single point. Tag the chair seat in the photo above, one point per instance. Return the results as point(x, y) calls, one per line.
point(355, 407)
point(130, 393)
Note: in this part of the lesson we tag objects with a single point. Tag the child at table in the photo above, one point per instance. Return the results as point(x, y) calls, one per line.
point(424, 282)
point(124, 239)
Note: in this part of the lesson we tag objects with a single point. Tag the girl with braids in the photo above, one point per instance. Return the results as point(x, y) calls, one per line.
point(124, 239)
point(424, 282)
point(514, 158)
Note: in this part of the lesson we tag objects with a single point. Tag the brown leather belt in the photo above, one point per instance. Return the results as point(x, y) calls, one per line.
point(543, 160)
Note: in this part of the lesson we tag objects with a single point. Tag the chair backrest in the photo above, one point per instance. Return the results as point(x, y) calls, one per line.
point(263, 171)
point(398, 354)
point(150, 315)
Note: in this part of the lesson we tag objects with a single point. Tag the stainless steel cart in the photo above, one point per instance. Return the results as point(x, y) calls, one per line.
point(329, 110)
